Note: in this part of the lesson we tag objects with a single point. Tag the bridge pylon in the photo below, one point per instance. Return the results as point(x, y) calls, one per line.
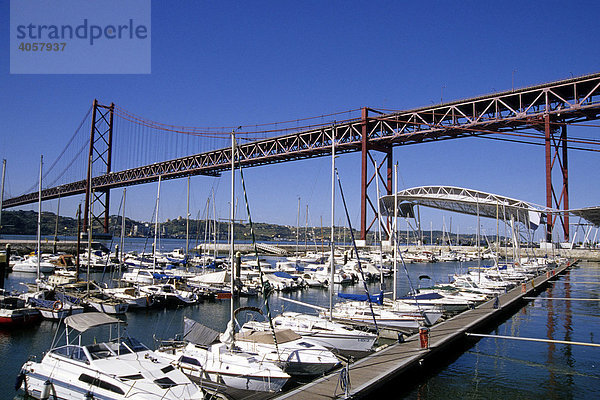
point(369, 162)
point(99, 163)
point(555, 145)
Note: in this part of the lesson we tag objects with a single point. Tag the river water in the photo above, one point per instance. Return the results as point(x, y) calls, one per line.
point(489, 369)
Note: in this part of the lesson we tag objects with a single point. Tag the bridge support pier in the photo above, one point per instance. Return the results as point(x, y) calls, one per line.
point(556, 151)
point(366, 180)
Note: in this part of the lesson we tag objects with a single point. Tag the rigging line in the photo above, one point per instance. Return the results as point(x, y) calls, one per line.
point(260, 273)
point(355, 251)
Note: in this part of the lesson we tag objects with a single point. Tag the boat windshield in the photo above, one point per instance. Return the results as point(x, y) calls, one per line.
point(126, 345)
point(99, 350)
point(73, 352)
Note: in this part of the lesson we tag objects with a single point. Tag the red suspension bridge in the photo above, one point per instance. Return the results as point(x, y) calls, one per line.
point(534, 115)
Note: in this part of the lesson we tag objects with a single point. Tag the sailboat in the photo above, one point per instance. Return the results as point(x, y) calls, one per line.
point(318, 329)
point(295, 354)
point(222, 369)
point(221, 366)
point(336, 337)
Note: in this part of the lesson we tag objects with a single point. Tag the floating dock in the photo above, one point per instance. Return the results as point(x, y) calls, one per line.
point(369, 374)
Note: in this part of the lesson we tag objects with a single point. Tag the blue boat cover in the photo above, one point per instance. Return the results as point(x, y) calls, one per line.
point(282, 274)
point(157, 275)
point(362, 297)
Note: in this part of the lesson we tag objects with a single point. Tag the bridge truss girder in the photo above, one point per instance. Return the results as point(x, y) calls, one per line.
point(563, 102)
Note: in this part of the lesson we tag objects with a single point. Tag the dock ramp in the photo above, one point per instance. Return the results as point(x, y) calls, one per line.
point(269, 248)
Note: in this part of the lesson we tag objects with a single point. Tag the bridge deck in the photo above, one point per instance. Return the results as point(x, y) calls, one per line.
point(372, 372)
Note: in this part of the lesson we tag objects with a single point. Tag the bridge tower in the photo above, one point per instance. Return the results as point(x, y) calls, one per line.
point(555, 135)
point(368, 162)
point(99, 163)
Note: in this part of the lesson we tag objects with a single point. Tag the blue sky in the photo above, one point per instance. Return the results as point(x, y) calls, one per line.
point(236, 63)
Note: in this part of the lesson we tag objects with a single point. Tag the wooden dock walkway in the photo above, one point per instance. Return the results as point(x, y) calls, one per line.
point(370, 373)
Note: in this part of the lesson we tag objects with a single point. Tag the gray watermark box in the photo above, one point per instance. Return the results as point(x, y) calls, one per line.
point(80, 36)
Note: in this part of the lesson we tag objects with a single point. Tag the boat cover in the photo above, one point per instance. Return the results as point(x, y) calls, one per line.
point(282, 274)
point(266, 337)
point(221, 277)
point(197, 333)
point(362, 297)
point(84, 321)
point(424, 296)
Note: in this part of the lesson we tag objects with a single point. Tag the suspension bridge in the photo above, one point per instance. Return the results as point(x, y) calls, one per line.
point(116, 148)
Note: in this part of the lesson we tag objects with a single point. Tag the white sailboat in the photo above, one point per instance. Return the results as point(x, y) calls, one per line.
point(222, 366)
point(296, 355)
point(405, 320)
point(222, 369)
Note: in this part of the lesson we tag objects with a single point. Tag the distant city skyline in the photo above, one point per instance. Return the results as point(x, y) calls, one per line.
point(230, 64)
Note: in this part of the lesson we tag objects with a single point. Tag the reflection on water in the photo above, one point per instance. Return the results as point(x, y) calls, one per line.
point(500, 369)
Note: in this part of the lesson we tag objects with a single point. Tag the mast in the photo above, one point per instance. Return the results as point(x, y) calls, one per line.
point(331, 274)
point(56, 224)
point(232, 214)
point(297, 230)
point(123, 227)
point(121, 256)
point(78, 242)
point(156, 225)
point(478, 241)
point(39, 223)
point(215, 227)
point(89, 258)
point(395, 290)
point(2, 190)
point(306, 231)
point(379, 230)
point(206, 230)
point(187, 222)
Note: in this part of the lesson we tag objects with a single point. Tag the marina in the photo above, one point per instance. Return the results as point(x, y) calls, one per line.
point(268, 201)
point(390, 363)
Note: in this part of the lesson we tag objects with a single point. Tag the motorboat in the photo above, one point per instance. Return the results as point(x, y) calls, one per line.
point(14, 311)
point(407, 319)
point(121, 368)
point(140, 276)
point(130, 295)
point(51, 306)
point(30, 265)
point(447, 303)
point(221, 368)
point(106, 304)
point(339, 338)
point(168, 295)
point(296, 355)
point(96, 261)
